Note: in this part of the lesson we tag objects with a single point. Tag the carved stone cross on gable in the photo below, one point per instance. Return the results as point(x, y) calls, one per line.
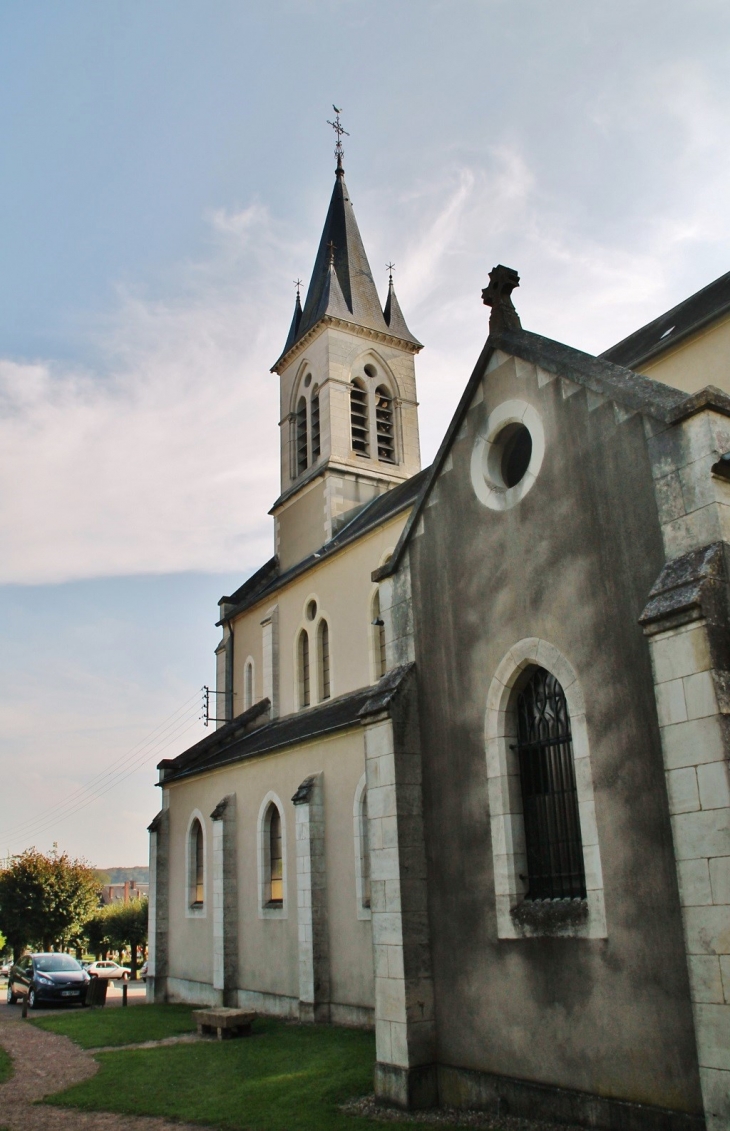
point(502, 281)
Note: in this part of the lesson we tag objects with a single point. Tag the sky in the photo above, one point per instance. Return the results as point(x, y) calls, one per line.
point(165, 170)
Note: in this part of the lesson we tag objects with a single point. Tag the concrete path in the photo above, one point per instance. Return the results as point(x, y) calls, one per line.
point(45, 1063)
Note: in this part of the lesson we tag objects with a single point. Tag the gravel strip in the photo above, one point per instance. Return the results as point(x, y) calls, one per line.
point(46, 1063)
point(368, 1107)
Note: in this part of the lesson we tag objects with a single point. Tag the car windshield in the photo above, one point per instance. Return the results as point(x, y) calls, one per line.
point(48, 963)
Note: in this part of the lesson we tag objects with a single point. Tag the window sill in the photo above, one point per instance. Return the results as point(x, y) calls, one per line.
point(549, 918)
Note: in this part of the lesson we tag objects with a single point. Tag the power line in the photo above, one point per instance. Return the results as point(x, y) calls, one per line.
point(168, 731)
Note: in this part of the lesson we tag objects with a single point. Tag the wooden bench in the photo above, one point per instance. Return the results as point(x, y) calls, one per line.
point(223, 1023)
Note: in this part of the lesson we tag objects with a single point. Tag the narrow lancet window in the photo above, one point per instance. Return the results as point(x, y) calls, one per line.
point(549, 797)
point(384, 424)
point(316, 444)
point(324, 660)
point(301, 436)
point(364, 849)
point(197, 864)
point(248, 686)
point(359, 419)
point(276, 861)
point(378, 628)
point(304, 688)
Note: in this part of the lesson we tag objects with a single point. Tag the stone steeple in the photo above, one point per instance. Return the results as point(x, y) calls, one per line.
point(349, 424)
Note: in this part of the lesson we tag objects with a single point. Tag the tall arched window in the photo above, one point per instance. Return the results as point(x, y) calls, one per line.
point(323, 634)
point(276, 859)
point(359, 419)
point(248, 685)
point(316, 444)
point(378, 628)
point(197, 864)
point(549, 797)
point(301, 436)
point(364, 850)
point(384, 424)
point(303, 658)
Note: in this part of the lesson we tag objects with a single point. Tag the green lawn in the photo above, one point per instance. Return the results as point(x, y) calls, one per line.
point(92, 1028)
point(283, 1078)
point(6, 1067)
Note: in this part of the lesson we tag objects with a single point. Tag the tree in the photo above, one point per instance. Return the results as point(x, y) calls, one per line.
point(45, 900)
point(117, 926)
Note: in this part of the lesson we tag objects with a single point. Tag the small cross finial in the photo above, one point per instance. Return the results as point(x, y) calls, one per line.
point(298, 285)
point(390, 268)
point(331, 249)
point(502, 281)
point(339, 130)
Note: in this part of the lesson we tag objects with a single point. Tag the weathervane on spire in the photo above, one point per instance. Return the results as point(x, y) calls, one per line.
point(339, 130)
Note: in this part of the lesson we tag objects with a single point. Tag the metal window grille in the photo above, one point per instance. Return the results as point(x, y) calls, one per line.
point(198, 863)
point(549, 797)
point(276, 862)
point(324, 660)
point(384, 425)
point(359, 420)
point(304, 688)
point(316, 444)
point(301, 433)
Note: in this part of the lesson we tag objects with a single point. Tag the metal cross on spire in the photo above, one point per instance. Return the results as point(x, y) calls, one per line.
point(298, 284)
point(390, 268)
point(339, 130)
point(331, 249)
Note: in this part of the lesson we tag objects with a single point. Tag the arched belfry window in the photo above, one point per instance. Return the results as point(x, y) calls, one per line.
point(303, 663)
point(323, 634)
point(197, 864)
point(276, 858)
point(301, 436)
point(555, 868)
point(316, 442)
point(378, 630)
point(384, 424)
point(359, 419)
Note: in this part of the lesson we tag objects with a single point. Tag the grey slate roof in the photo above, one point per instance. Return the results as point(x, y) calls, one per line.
point(348, 291)
point(268, 579)
point(626, 388)
point(678, 323)
point(231, 743)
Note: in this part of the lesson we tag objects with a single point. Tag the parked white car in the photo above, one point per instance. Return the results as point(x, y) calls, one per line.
point(108, 970)
point(5, 969)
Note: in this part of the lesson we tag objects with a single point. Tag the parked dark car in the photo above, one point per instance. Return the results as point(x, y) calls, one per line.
point(46, 978)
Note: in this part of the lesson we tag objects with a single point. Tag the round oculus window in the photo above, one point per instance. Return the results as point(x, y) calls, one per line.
point(507, 455)
point(371, 370)
point(307, 380)
point(311, 610)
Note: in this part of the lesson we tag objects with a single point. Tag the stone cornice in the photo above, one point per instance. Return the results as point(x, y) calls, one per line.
point(341, 324)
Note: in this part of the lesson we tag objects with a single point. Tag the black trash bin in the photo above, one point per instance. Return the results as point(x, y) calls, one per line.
point(96, 992)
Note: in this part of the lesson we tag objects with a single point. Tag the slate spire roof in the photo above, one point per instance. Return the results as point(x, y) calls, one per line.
point(342, 283)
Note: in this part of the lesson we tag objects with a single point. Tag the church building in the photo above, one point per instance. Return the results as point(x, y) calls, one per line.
point(470, 782)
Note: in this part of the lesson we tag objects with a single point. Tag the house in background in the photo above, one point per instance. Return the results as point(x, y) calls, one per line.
point(471, 786)
point(125, 892)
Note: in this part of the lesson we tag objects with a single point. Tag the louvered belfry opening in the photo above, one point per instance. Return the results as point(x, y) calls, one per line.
point(384, 424)
point(301, 436)
point(549, 797)
point(359, 420)
point(316, 443)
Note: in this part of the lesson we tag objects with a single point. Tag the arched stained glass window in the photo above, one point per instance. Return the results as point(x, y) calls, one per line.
point(197, 864)
point(384, 424)
point(304, 681)
point(301, 436)
point(549, 797)
point(316, 442)
point(359, 419)
point(276, 860)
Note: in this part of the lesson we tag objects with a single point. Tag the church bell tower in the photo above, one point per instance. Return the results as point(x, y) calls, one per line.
point(349, 415)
